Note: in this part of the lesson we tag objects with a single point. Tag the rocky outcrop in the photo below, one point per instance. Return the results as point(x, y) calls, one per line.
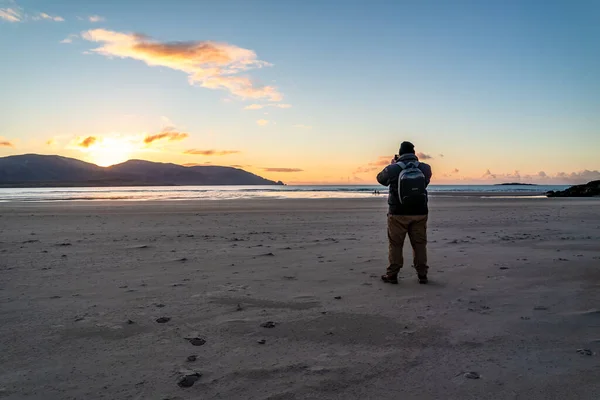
point(590, 189)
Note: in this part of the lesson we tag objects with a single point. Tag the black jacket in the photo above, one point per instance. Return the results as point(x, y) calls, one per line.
point(389, 177)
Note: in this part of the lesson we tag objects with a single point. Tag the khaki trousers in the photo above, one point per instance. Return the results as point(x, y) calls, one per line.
point(416, 227)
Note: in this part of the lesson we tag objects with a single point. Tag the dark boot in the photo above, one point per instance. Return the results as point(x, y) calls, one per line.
point(390, 279)
point(422, 274)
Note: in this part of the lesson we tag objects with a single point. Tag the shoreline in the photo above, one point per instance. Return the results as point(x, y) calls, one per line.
point(357, 197)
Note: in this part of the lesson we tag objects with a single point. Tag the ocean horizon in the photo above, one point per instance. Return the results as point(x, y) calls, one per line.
point(158, 193)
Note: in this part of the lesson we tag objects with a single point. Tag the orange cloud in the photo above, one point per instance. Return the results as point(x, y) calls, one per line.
point(262, 122)
point(6, 143)
point(208, 64)
point(211, 152)
point(166, 134)
point(283, 169)
point(87, 142)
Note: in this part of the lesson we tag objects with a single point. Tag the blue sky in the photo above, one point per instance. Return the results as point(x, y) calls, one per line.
point(502, 89)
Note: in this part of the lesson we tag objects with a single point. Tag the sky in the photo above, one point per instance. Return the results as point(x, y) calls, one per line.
point(308, 92)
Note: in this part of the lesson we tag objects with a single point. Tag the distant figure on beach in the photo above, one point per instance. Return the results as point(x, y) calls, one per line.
point(407, 179)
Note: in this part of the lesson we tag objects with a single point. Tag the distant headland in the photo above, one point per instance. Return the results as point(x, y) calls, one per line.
point(33, 170)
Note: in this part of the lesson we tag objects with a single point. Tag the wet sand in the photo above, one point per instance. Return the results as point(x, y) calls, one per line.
point(512, 310)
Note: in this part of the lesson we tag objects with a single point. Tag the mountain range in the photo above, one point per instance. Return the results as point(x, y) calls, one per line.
point(34, 170)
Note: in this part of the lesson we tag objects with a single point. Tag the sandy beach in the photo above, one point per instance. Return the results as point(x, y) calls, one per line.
point(512, 310)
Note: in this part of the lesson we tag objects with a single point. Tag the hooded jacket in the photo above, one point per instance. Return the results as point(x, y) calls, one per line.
point(389, 177)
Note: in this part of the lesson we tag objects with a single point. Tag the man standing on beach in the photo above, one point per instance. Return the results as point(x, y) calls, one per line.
point(407, 179)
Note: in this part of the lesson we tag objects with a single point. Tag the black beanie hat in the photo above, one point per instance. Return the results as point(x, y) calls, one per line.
point(407, 147)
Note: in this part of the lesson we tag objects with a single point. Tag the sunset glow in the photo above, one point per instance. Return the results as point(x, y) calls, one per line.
point(308, 100)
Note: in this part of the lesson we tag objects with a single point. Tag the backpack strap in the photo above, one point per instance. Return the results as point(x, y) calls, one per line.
point(401, 164)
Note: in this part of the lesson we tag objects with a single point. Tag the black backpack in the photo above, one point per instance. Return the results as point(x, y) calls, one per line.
point(412, 188)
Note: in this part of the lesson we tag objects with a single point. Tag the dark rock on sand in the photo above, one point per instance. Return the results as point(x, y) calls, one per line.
point(268, 324)
point(163, 320)
point(196, 341)
point(472, 375)
point(262, 341)
point(590, 189)
point(585, 352)
point(188, 380)
point(192, 358)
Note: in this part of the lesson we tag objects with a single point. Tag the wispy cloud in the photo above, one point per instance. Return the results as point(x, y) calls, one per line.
point(301, 126)
point(576, 177)
point(208, 64)
point(377, 165)
point(6, 143)
point(16, 14)
point(211, 152)
point(285, 170)
point(167, 134)
point(44, 16)
point(69, 39)
point(262, 122)
point(261, 106)
point(11, 15)
point(424, 156)
point(488, 175)
point(96, 18)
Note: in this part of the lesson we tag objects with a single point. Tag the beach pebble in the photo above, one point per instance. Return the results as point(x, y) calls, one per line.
point(159, 305)
point(338, 297)
point(262, 341)
point(163, 320)
point(585, 352)
point(130, 322)
point(196, 341)
point(540, 308)
point(192, 358)
point(188, 380)
point(472, 375)
point(268, 324)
